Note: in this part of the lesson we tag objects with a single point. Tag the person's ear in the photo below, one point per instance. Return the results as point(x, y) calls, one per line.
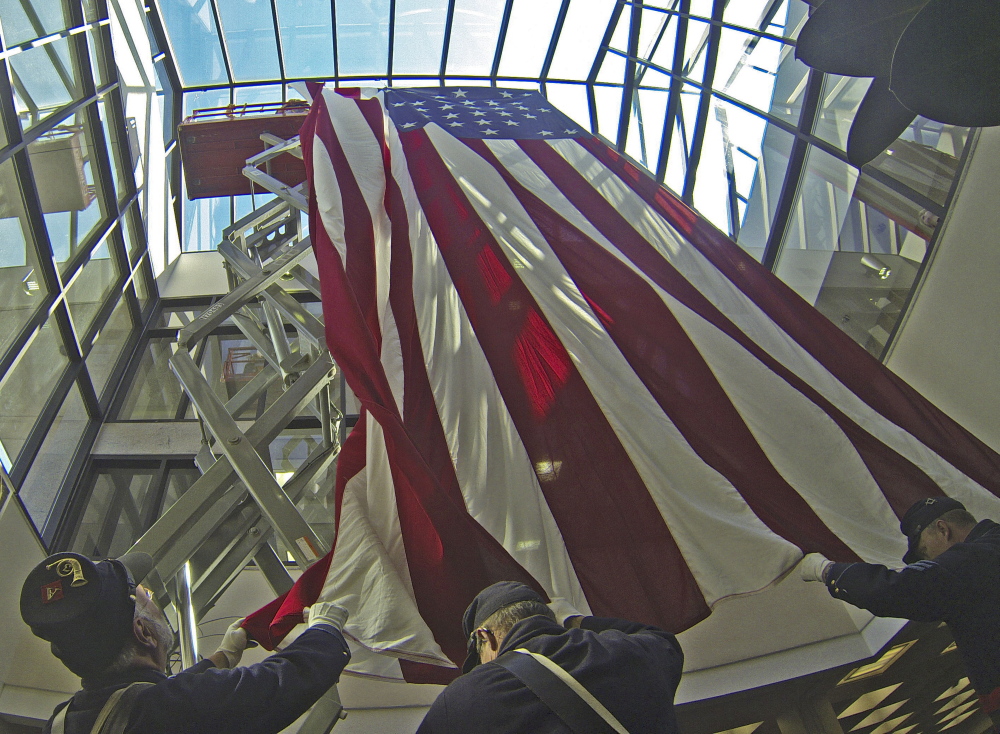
point(945, 529)
point(144, 634)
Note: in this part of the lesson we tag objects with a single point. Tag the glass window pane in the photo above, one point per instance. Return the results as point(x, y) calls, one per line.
point(117, 512)
point(204, 220)
point(748, 67)
point(45, 79)
point(190, 25)
point(419, 38)
point(207, 99)
point(250, 40)
point(362, 39)
point(841, 97)
point(108, 346)
point(21, 286)
point(91, 287)
point(25, 21)
point(48, 471)
point(155, 394)
point(179, 481)
point(528, 36)
point(306, 37)
point(28, 385)
point(61, 162)
point(609, 107)
point(142, 289)
point(120, 157)
point(770, 167)
point(925, 157)
point(474, 36)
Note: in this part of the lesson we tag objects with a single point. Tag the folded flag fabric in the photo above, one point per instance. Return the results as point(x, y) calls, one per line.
point(569, 378)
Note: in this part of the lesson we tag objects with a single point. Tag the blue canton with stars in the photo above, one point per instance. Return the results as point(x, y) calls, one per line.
point(480, 112)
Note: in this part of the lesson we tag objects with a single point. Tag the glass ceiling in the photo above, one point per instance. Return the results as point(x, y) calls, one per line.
point(704, 94)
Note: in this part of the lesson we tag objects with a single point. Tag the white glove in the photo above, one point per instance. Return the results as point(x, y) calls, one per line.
point(811, 567)
point(563, 610)
point(234, 642)
point(326, 612)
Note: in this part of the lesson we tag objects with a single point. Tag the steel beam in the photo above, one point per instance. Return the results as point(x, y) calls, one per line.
point(185, 526)
point(290, 526)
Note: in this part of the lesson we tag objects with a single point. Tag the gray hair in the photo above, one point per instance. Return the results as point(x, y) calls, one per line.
point(502, 620)
point(962, 518)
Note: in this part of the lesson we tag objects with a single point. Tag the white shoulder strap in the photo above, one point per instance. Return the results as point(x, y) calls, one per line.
point(578, 689)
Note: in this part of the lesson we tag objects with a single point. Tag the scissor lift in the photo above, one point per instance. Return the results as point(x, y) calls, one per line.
point(229, 515)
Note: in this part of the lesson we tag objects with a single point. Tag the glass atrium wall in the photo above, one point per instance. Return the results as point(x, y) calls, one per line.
point(85, 221)
point(704, 94)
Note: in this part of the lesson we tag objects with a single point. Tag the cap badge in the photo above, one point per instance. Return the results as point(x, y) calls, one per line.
point(52, 592)
point(66, 567)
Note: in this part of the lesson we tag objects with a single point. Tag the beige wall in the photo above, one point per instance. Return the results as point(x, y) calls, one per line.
point(948, 348)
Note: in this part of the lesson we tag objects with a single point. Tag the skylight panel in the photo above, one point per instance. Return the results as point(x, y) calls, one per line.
point(528, 37)
point(306, 31)
point(474, 33)
point(250, 38)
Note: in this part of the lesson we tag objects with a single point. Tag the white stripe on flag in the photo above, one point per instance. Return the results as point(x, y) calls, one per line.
point(496, 477)
point(711, 526)
point(753, 322)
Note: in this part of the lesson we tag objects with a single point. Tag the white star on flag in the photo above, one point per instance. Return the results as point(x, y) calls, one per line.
point(478, 113)
point(450, 116)
point(531, 117)
point(455, 124)
point(506, 94)
point(571, 132)
point(409, 124)
point(483, 122)
point(511, 122)
point(546, 132)
point(504, 114)
point(490, 132)
point(459, 93)
point(447, 106)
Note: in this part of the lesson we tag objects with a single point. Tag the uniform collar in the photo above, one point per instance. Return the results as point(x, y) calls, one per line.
point(527, 629)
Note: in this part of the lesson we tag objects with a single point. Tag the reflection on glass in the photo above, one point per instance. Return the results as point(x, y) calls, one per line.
point(853, 249)
point(22, 288)
point(306, 37)
point(118, 511)
point(61, 162)
point(179, 481)
point(769, 169)
point(528, 36)
point(44, 79)
point(925, 157)
point(119, 153)
point(839, 104)
point(91, 288)
point(229, 363)
point(250, 40)
point(141, 284)
point(204, 220)
point(27, 386)
point(24, 20)
point(155, 394)
point(748, 67)
point(44, 481)
point(108, 346)
point(195, 41)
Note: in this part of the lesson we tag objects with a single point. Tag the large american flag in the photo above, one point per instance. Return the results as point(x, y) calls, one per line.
point(570, 378)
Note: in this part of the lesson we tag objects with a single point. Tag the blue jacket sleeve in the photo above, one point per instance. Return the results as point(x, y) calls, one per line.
point(265, 697)
point(923, 591)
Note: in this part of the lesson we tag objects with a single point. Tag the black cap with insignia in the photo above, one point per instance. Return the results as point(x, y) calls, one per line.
point(919, 516)
point(84, 609)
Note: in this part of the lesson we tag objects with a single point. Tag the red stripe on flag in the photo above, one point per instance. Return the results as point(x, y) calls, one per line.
point(663, 356)
point(359, 231)
point(450, 557)
point(624, 556)
point(902, 482)
point(885, 392)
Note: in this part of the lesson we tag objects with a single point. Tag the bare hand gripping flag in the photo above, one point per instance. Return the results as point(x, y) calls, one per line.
point(570, 379)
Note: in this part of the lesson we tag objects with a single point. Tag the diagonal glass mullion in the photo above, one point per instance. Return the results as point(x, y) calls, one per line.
point(674, 97)
point(277, 41)
point(602, 52)
point(449, 22)
point(701, 121)
point(501, 40)
point(551, 52)
point(629, 91)
point(225, 47)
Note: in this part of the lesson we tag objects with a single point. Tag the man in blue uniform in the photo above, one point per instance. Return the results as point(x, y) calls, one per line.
point(632, 670)
point(952, 576)
point(106, 628)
